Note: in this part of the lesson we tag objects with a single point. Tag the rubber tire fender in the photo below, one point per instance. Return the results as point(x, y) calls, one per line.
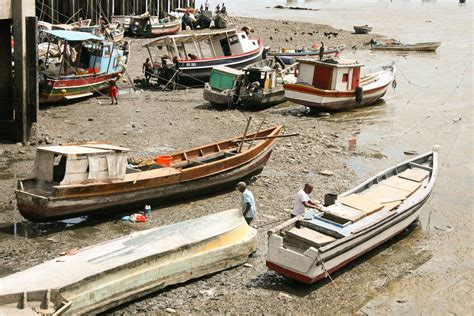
point(359, 94)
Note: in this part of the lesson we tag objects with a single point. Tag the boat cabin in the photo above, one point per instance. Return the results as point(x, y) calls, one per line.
point(188, 47)
point(67, 54)
point(225, 78)
point(260, 77)
point(330, 74)
point(74, 164)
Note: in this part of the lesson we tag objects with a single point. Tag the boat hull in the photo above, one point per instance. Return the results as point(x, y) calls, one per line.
point(321, 100)
point(421, 47)
point(57, 90)
point(314, 263)
point(167, 29)
point(197, 72)
point(124, 269)
point(40, 208)
point(230, 98)
point(351, 251)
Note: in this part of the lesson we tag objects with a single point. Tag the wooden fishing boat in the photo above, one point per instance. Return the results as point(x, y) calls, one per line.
point(189, 58)
point(336, 85)
point(257, 85)
point(147, 25)
point(399, 46)
point(362, 29)
point(220, 21)
point(71, 180)
point(76, 65)
point(309, 247)
point(288, 56)
point(111, 273)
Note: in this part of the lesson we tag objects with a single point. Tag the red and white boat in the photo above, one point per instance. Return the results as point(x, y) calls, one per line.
point(336, 84)
point(309, 247)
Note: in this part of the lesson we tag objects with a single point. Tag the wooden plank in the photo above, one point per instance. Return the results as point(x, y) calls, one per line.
point(414, 174)
point(345, 212)
point(390, 206)
point(402, 184)
point(310, 236)
point(361, 203)
point(385, 194)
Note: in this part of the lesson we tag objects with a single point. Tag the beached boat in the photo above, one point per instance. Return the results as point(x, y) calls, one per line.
point(71, 180)
point(336, 84)
point(76, 64)
point(189, 58)
point(220, 21)
point(102, 276)
point(399, 46)
point(147, 25)
point(257, 85)
point(362, 29)
point(309, 247)
point(289, 56)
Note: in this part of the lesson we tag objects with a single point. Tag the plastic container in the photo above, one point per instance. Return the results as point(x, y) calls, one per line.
point(164, 160)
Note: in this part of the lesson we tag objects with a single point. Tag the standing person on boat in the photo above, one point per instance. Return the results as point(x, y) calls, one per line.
point(147, 70)
point(302, 201)
point(321, 51)
point(248, 203)
point(223, 9)
point(206, 5)
point(113, 92)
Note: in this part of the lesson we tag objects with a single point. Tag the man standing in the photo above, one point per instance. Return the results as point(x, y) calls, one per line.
point(248, 203)
point(302, 201)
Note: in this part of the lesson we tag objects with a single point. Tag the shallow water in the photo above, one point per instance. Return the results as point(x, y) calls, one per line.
point(432, 104)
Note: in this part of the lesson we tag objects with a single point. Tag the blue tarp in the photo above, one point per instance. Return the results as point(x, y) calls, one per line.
point(73, 35)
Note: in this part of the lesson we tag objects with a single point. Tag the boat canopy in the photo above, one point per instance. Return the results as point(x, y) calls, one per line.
point(72, 164)
point(74, 36)
point(189, 38)
point(335, 62)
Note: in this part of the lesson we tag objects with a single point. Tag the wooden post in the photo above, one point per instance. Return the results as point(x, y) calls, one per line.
point(245, 134)
point(212, 46)
point(255, 135)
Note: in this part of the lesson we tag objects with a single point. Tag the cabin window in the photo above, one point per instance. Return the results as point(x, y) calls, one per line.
point(345, 77)
point(59, 168)
point(106, 50)
point(233, 40)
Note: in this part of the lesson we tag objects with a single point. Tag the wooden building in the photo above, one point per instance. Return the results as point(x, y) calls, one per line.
point(62, 11)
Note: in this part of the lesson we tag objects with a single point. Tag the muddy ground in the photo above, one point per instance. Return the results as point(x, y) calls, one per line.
point(154, 122)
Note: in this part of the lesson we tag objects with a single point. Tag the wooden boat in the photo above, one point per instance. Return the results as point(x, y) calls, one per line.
point(111, 273)
point(71, 180)
point(220, 21)
point(76, 65)
point(207, 50)
point(147, 25)
point(309, 247)
point(362, 29)
point(288, 56)
point(336, 85)
point(257, 85)
point(398, 46)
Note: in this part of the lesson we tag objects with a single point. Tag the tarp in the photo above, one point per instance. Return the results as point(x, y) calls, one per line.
point(73, 35)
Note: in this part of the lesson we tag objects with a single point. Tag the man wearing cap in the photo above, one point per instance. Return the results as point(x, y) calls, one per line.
point(302, 201)
point(248, 203)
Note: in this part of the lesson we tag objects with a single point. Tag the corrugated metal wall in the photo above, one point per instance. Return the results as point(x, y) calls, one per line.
point(62, 11)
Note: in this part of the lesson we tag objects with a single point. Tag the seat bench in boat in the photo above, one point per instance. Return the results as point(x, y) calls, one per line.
point(310, 236)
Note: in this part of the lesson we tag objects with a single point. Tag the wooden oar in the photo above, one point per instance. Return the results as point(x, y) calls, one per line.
point(245, 134)
point(266, 137)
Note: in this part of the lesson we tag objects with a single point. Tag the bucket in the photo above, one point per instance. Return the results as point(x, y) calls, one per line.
point(164, 160)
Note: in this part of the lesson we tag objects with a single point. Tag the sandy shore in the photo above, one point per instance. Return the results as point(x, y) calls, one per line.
point(153, 122)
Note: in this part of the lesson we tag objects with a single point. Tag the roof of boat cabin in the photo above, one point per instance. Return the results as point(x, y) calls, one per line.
point(74, 36)
point(83, 149)
point(187, 38)
point(228, 70)
point(256, 68)
point(334, 62)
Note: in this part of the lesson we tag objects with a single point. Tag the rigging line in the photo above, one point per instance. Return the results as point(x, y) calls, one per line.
point(409, 81)
point(53, 20)
point(55, 11)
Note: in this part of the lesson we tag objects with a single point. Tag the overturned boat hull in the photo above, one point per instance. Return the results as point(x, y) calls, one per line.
point(417, 47)
point(106, 275)
point(332, 244)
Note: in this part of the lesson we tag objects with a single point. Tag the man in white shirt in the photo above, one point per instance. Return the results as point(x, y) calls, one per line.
point(302, 201)
point(248, 203)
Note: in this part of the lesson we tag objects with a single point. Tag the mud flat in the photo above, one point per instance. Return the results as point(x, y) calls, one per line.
point(156, 122)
